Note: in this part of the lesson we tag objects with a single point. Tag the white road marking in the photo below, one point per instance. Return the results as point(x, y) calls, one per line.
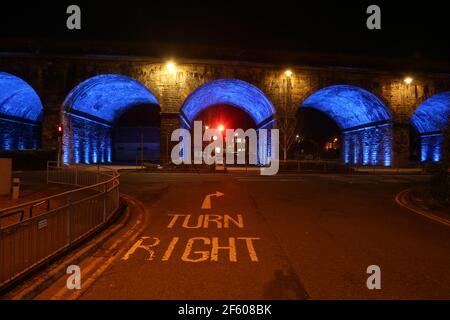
point(256, 179)
point(399, 198)
point(207, 201)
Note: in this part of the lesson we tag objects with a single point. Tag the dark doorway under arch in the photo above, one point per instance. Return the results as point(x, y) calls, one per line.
point(136, 135)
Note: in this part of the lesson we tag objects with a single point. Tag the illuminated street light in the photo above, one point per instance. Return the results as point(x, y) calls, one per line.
point(221, 127)
point(171, 67)
point(214, 138)
point(408, 80)
point(288, 73)
point(206, 127)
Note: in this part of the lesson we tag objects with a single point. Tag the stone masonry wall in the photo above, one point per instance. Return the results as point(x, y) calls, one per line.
point(370, 146)
point(54, 77)
point(20, 136)
point(86, 141)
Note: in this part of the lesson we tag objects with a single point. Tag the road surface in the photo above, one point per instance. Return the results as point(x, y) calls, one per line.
point(281, 237)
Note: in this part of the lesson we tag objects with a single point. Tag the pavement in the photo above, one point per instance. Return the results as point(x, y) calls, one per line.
point(290, 236)
point(33, 187)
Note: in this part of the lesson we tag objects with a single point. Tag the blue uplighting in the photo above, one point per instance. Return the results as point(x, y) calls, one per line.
point(349, 106)
point(368, 146)
point(233, 92)
point(433, 114)
point(430, 119)
point(104, 97)
point(431, 147)
point(86, 141)
point(20, 111)
point(364, 119)
point(18, 99)
point(108, 96)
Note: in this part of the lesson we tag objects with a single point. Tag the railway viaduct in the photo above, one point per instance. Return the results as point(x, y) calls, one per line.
point(373, 107)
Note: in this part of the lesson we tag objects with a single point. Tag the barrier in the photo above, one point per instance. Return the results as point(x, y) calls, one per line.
point(48, 226)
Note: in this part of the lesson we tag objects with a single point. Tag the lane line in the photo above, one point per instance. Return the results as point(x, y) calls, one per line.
point(206, 204)
point(99, 264)
point(399, 198)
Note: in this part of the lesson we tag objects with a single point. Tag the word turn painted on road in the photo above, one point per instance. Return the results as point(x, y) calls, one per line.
point(199, 248)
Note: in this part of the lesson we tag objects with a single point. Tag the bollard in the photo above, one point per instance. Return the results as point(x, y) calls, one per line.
point(15, 188)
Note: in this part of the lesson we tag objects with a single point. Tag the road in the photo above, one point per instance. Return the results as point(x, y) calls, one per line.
point(281, 237)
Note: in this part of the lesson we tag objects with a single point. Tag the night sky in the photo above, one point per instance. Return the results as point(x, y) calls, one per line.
point(410, 29)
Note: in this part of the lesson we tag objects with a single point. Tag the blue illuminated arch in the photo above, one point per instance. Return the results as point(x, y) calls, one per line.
point(91, 110)
point(349, 106)
point(365, 122)
point(233, 92)
point(433, 114)
point(430, 120)
point(107, 96)
point(18, 99)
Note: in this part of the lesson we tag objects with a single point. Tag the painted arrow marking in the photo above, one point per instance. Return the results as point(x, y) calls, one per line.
point(207, 201)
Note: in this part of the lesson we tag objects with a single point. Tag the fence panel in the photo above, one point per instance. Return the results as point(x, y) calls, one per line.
point(33, 240)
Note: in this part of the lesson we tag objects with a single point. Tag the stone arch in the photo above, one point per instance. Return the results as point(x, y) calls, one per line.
point(90, 111)
point(236, 93)
point(21, 114)
point(364, 120)
point(430, 120)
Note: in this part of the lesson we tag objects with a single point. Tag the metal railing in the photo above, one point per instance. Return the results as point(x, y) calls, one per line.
point(46, 227)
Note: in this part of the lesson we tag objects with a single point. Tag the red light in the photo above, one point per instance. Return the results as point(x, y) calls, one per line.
point(59, 130)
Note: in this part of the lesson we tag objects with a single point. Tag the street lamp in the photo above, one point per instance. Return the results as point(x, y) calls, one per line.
point(288, 73)
point(171, 67)
point(221, 127)
point(408, 80)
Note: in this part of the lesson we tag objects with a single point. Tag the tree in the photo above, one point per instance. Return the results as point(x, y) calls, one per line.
point(287, 122)
point(287, 126)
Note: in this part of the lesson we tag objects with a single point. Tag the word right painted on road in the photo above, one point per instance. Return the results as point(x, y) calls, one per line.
point(199, 248)
point(206, 221)
point(195, 249)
